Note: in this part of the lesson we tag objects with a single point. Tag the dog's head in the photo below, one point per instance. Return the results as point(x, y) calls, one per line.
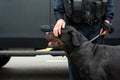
point(69, 38)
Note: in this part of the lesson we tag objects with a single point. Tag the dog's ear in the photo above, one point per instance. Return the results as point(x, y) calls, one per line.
point(75, 39)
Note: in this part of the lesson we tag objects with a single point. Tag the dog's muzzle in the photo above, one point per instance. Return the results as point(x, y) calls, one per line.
point(54, 42)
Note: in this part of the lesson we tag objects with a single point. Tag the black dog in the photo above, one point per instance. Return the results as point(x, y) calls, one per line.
point(92, 61)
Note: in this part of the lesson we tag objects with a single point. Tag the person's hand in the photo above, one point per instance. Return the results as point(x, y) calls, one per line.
point(58, 26)
point(106, 28)
point(104, 32)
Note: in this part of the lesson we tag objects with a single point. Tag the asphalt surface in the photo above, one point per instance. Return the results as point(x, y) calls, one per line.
point(35, 68)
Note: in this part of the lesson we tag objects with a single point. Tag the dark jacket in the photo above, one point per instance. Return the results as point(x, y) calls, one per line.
point(59, 10)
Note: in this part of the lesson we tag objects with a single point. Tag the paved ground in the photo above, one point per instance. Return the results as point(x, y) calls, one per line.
point(35, 68)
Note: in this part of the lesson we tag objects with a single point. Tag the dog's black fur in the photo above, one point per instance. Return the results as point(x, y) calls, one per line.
point(92, 61)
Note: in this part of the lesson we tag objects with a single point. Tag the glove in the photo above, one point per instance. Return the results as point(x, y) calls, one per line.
point(107, 26)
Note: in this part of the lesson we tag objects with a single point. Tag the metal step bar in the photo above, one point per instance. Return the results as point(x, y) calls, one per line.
point(31, 53)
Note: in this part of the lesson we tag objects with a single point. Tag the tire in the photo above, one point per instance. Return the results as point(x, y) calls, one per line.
point(4, 60)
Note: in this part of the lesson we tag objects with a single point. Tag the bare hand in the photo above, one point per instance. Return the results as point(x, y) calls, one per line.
point(58, 26)
point(104, 32)
point(106, 28)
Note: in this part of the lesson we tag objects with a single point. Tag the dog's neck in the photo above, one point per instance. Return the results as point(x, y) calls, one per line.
point(85, 47)
point(70, 48)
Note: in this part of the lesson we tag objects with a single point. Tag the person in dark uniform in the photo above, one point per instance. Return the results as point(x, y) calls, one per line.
point(89, 27)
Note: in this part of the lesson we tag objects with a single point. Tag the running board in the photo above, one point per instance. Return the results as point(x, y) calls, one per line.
point(31, 53)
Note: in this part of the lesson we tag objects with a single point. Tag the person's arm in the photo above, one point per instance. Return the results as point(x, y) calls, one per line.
point(59, 14)
point(59, 9)
point(109, 14)
point(109, 11)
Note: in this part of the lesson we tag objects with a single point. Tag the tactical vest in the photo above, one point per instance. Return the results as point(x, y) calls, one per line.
point(85, 11)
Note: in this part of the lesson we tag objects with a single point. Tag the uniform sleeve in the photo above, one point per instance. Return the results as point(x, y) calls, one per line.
point(59, 9)
point(110, 10)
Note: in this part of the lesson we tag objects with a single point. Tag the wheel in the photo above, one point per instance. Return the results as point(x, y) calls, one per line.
point(4, 60)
